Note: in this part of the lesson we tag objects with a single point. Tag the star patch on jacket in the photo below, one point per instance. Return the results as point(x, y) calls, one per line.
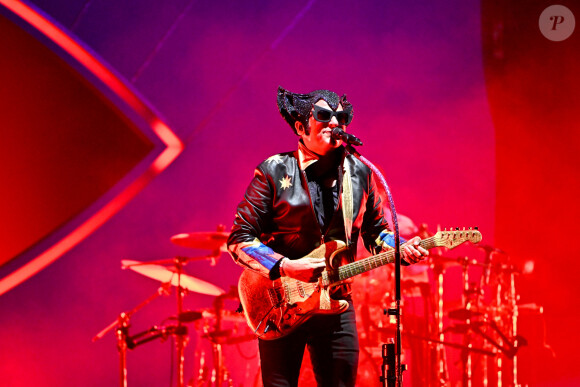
point(285, 183)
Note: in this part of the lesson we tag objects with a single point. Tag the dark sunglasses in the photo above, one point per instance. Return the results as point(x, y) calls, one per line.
point(324, 115)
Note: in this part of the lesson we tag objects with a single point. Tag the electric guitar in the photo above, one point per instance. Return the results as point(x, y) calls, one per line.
point(273, 309)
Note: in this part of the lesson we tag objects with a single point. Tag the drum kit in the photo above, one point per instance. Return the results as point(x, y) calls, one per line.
point(209, 322)
point(480, 330)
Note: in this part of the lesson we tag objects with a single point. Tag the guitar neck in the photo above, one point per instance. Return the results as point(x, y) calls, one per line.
point(358, 267)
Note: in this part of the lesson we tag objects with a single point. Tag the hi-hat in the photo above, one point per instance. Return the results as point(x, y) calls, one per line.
point(213, 240)
point(164, 274)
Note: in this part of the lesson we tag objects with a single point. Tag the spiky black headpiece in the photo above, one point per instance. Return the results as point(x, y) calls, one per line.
point(297, 107)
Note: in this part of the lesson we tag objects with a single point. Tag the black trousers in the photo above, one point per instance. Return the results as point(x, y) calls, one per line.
point(333, 344)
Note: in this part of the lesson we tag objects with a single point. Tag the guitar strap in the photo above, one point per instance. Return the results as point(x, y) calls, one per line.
point(347, 201)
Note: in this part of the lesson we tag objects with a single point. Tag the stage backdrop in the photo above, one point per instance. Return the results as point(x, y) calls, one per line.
point(464, 138)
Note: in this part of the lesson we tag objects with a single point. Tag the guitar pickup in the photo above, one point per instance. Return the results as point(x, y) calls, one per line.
point(276, 297)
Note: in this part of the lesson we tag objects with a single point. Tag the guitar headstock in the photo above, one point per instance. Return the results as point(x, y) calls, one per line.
point(454, 238)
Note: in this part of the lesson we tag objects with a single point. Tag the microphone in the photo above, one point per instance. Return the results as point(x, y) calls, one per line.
point(339, 134)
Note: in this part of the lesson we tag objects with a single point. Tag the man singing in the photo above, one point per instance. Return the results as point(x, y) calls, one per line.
point(295, 203)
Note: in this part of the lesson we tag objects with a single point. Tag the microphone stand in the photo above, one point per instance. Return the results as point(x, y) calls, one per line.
point(391, 353)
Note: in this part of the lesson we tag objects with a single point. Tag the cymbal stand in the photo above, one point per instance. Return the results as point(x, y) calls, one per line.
point(218, 359)
point(442, 372)
point(514, 328)
point(514, 341)
point(181, 330)
point(509, 351)
point(122, 332)
point(466, 355)
point(220, 373)
point(485, 285)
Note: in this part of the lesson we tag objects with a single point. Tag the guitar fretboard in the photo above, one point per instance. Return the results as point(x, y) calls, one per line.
point(355, 268)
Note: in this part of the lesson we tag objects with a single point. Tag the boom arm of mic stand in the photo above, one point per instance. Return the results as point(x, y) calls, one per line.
point(397, 310)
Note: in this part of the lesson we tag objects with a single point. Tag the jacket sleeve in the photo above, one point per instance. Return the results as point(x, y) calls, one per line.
point(252, 221)
point(375, 231)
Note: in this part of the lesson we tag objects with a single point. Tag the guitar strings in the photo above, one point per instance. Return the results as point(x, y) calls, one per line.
point(349, 270)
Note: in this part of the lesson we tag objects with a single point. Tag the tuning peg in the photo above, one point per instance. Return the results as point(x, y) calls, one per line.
point(456, 228)
point(476, 227)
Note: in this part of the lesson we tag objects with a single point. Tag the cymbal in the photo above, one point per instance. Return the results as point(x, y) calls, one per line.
point(213, 240)
point(164, 274)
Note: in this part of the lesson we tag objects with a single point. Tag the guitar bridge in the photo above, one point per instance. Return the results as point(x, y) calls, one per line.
point(301, 291)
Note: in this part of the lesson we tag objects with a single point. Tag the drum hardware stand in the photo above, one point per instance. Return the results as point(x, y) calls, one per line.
point(219, 373)
point(181, 330)
point(467, 302)
point(512, 347)
point(457, 329)
point(201, 373)
point(442, 371)
point(122, 332)
point(509, 351)
point(219, 370)
point(518, 340)
point(397, 380)
point(509, 346)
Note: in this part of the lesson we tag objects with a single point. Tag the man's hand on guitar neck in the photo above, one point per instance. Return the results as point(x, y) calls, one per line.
point(304, 269)
point(412, 252)
point(308, 269)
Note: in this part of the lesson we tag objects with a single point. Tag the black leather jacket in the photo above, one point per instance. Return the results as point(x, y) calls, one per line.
point(276, 218)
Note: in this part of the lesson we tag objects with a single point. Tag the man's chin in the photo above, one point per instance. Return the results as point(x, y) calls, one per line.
point(335, 143)
point(332, 145)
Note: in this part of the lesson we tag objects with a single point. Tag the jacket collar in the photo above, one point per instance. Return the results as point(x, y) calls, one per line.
point(305, 156)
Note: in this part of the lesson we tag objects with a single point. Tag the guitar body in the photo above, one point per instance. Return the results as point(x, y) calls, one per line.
point(274, 309)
